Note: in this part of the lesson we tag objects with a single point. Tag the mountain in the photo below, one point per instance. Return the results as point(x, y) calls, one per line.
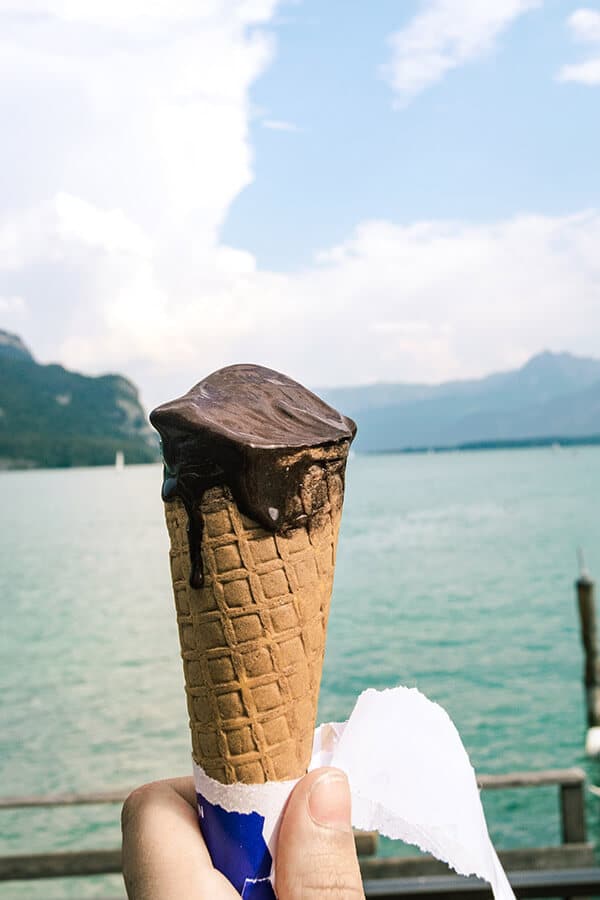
point(50, 416)
point(553, 396)
point(12, 347)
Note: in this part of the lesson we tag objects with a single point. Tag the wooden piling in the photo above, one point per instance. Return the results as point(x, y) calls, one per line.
point(586, 601)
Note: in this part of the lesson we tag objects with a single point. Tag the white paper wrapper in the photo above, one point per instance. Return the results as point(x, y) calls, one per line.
point(410, 777)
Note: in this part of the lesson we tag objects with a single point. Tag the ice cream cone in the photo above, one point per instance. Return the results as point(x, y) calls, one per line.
point(253, 636)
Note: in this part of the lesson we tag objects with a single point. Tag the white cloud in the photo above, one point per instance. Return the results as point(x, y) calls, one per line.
point(422, 303)
point(11, 305)
point(280, 125)
point(133, 146)
point(135, 14)
point(124, 167)
point(52, 232)
point(444, 35)
point(425, 302)
point(582, 73)
point(446, 299)
point(584, 25)
point(109, 230)
point(153, 122)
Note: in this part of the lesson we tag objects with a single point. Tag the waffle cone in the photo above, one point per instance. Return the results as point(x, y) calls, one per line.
point(253, 637)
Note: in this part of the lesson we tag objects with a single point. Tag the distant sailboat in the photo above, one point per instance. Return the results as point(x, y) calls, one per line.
point(119, 460)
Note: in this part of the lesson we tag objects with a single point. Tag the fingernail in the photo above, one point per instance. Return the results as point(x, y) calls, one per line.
point(329, 802)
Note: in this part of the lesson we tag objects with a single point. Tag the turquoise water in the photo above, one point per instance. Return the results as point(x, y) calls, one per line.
point(455, 574)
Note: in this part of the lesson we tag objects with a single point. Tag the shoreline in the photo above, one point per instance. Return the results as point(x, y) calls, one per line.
point(557, 442)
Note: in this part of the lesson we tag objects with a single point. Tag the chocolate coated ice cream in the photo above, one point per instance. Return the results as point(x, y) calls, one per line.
point(258, 433)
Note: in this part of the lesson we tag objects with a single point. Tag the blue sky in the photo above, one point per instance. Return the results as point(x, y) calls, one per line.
point(497, 136)
point(346, 192)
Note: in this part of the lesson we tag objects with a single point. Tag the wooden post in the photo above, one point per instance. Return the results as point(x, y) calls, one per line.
point(572, 808)
point(587, 615)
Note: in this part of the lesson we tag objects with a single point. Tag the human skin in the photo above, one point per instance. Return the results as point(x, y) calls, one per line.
point(165, 858)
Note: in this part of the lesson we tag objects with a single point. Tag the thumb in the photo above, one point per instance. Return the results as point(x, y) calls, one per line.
point(316, 856)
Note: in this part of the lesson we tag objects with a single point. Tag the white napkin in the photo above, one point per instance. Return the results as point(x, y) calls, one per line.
point(410, 778)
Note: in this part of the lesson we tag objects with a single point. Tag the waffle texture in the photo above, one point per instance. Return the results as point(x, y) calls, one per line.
point(253, 637)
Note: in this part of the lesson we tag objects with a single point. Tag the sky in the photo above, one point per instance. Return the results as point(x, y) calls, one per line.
point(347, 192)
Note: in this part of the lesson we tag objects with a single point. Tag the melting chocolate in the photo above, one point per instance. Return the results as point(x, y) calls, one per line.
point(255, 431)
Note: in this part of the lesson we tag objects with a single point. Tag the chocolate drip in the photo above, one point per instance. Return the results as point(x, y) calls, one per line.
point(255, 431)
point(190, 486)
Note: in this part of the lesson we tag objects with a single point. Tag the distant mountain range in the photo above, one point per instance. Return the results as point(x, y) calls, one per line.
point(52, 417)
point(554, 397)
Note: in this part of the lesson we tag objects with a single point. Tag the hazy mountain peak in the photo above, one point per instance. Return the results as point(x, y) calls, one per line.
point(556, 370)
point(548, 360)
point(551, 395)
point(12, 347)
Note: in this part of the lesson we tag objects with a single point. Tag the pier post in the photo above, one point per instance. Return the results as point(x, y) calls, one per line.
point(586, 601)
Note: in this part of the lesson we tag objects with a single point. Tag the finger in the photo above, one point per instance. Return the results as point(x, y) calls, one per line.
point(316, 855)
point(164, 856)
point(186, 789)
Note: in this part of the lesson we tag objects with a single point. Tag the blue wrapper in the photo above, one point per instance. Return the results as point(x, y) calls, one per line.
point(237, 846)
point(240, 824)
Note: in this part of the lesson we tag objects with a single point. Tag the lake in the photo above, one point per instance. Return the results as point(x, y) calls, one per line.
point(455, 574)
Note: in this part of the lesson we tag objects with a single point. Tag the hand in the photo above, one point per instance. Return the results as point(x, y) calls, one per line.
point(164, 856)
